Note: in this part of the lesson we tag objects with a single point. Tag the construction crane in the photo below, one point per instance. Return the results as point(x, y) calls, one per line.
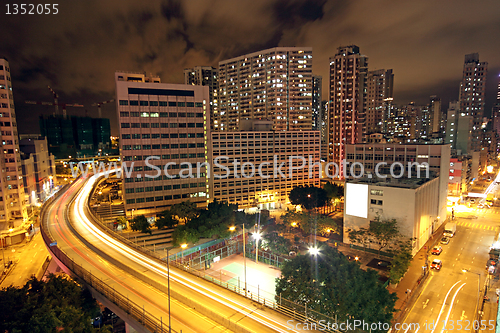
point(56, 104)
point(99, 106)
point(63, 105)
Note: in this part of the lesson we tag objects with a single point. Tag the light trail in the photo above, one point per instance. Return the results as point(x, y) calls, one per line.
point(139, 258)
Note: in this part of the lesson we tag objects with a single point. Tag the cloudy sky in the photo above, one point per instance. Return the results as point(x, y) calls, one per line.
point(78, 50)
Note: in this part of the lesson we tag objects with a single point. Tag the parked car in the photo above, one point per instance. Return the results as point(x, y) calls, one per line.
point(436, 264)
point(437, 250)
point(445, 240)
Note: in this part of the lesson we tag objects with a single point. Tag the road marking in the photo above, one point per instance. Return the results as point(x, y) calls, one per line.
point(425, 304)
point(451, 306)
point(463, 316)
point(444, 303)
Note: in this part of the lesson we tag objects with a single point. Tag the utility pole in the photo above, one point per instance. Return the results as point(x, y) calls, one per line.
point(245, 259)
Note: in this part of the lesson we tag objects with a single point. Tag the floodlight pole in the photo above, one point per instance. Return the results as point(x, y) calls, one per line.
point(245, 259)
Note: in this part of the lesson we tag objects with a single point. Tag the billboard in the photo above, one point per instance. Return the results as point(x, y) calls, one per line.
point(356, 200)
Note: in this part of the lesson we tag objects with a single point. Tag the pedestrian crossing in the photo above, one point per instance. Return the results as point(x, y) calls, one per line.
point(478, 226)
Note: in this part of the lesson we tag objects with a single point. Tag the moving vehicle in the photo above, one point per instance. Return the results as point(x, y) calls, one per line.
point(437, 250)
point(436, 264)
point(480, 206)
point(489, 200)
point(450, 229)
point(445, 240)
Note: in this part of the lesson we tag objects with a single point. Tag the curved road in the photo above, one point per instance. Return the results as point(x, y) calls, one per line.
point(247, 315)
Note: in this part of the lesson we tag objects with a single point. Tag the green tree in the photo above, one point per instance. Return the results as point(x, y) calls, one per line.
point(165, 220)
point(121, 221)
point(56, 304)
point(401, 261)
point(184, 211)
point(384, 232)
point(276, 243)
point(308, 222)
point(333, 191)
point(336, 288)
point(308, 197)
point(140, 223)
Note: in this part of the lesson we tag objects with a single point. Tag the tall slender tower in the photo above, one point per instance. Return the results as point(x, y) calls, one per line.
point(13, 201)
point(316, 102)
point(379, 88)
point(205, 76)
point(274, 84)
point(346, 123)
point(495, 113)
point(471, 96)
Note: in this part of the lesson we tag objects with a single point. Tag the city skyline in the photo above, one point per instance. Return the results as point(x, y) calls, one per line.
point(77, 51)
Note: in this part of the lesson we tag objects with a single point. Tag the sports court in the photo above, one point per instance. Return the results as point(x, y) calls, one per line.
point(261, 278)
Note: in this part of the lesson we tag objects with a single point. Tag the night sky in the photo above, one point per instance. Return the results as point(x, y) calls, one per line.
point(77, 51)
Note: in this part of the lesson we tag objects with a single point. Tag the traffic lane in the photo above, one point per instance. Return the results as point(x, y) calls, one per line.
point(183, 317)
point(30, 260)
point(225, 300)
point(222, 301)
point(426, 307)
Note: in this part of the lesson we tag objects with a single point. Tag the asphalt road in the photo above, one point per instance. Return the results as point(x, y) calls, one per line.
point(451, 295)
point(30, 259)
point(222, 302)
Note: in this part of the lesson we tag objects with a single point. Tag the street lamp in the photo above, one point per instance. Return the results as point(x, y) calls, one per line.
point(257, 237)
point(314, 250)
point(183, 246)
point(233, 228)
point(478, 288)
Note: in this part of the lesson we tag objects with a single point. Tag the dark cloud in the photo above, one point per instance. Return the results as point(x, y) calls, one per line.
point(77, 51)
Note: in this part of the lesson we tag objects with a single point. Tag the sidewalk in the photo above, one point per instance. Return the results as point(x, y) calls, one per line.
point(490, 305)
point(412, 278)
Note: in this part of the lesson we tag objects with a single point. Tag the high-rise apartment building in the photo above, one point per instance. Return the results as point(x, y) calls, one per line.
point(471, 96)
point(205, 76)
point(435, 115)
point(317, 96)
point(13, 202)
point(451, 124)
point(274, 84)
point(346, 121)
point(495, 112)
point(170, 123)
point(379, 95)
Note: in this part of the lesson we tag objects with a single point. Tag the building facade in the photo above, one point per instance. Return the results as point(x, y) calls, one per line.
point(379, 95)
point(205, 76)
point(274, 84)
point(13, 204)
point(268, 166)
point(347, 116)
point(471, 96)
point(414, 203)
point(41, 181)
point(171, 123)
point(317, 95)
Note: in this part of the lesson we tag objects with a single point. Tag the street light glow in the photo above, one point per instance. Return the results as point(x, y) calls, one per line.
point(257, 236)
point(183, 246)
point(232, 228)
point(314, 251)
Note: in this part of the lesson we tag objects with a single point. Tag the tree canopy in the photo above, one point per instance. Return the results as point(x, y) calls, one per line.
point(341, 289)
point(54, 305)
point(384, 233)
point(307, 222)
point(140, 223)
point(308, 197)
point(184, 211)
point(333, 191)
point(210, 222)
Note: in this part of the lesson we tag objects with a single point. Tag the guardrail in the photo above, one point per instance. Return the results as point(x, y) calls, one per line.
point(293, 310)
point(137, 312)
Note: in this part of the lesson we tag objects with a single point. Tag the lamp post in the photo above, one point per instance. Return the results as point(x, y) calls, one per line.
point(233, 228)
point(3, 246)
point(183, 246)
point(478, 293)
